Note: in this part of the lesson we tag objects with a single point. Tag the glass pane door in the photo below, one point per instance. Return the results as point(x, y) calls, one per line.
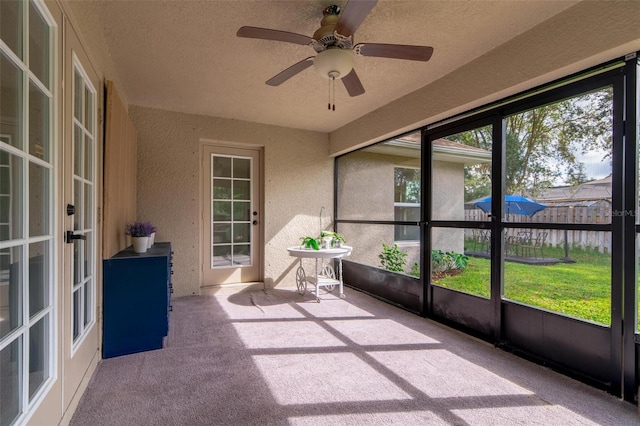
point(231, 211)
point(27, 197)
point(84, 107)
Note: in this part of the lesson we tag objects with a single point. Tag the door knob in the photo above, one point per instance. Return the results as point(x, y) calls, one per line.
point(70, 236)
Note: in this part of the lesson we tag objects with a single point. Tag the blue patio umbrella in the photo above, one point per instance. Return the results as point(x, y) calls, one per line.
point(513, 204)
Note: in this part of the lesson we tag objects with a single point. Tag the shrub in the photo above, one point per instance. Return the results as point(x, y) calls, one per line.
point(446, 262)
point(415, 270)
point(392, 259)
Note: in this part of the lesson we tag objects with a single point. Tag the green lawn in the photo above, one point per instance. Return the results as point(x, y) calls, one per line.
point(580, 289)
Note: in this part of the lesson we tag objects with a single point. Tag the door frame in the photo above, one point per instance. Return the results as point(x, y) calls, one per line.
point(260, 205)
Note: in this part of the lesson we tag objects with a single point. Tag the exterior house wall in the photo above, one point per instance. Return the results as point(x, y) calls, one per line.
point(448, 204)
point(363, 195)
point(362, 192)
point(366, 192)
point(297, 177)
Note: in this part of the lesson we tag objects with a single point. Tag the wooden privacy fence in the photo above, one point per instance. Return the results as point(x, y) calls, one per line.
point(596, 214)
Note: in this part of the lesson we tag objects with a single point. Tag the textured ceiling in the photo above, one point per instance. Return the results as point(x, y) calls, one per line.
point(184, 55)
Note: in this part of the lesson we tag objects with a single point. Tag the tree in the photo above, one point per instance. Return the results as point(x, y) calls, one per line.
point(543, 145)
point(407, 185)
point(576, 175)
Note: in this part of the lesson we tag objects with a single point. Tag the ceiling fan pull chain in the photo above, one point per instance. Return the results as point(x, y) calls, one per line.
point(333, 92)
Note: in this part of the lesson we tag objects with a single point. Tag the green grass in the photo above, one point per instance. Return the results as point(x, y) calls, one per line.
point(581, 289)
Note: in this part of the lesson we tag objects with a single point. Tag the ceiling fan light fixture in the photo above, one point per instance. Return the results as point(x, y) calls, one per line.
point(334, 63)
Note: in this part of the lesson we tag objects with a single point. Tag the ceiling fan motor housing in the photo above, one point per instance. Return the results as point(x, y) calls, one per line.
point(325, 36)
point(327, 26)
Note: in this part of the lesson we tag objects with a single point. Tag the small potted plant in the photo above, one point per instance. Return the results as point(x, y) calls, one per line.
point(326, 240)
point(151, 232)
point(139, 236)
point(335, 239)
point(310, 243)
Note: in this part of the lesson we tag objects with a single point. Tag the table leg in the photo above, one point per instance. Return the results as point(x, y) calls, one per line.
point(317, 283)
point(342, 296)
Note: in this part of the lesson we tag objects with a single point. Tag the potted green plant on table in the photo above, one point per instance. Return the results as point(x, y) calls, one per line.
point(310, 243)
point(333, 238)
point(327, 239)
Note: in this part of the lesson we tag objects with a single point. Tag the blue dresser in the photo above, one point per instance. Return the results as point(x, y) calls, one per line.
point(137, 297)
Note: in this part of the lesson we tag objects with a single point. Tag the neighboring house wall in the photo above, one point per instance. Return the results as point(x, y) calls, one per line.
point(366, 192)
point(362, 195)
point(298, 182)
point(448, 204)
point(362, 192)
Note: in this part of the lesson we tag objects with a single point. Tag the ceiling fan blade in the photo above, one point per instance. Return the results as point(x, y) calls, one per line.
point(394, 51)
point(352, 84)
point(294, 69)
point(353, 15)
point(277, 35)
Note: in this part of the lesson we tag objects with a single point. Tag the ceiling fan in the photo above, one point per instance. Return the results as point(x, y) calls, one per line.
point(333, 43)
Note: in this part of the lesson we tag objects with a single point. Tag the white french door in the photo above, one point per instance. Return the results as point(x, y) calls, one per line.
point(231, 215)
point(79, 180)
point(28, 158)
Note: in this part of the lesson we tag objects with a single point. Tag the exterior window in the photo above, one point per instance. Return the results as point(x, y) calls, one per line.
point(27, 173)
point(406, 203)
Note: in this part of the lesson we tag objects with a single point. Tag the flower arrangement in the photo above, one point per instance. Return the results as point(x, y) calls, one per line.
point(140, 229)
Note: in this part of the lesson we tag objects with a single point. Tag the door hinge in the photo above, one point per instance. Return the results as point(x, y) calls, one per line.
point(100, 116)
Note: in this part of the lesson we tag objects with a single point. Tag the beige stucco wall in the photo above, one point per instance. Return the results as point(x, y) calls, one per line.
point(365, 186)
point(448, 204)
point(298, 182)
point(366, 192)
point(448, 191)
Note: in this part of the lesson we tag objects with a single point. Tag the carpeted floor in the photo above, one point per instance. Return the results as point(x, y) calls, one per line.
point(278, 358)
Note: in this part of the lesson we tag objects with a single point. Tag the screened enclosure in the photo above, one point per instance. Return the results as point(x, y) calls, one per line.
point(517, 222)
